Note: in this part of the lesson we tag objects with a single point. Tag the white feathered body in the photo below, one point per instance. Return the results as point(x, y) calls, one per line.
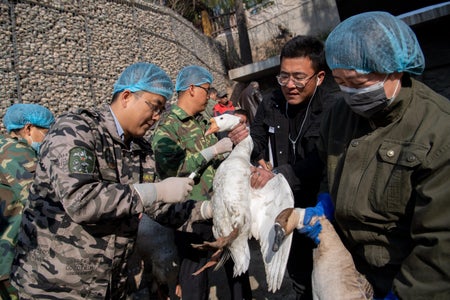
point(252, 211)
point(231, 203)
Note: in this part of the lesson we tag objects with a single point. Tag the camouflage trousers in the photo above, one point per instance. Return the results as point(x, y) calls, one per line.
point(7, 291)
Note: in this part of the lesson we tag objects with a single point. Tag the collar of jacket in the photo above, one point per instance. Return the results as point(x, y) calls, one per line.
point(180, 113)
point(184, 116)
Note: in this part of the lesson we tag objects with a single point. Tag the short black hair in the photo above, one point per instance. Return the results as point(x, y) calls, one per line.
point(306, 46)
point(242, 111)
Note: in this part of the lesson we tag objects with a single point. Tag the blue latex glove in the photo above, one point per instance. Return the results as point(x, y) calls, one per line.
point(389, 296)
point(324, 206)
point(312, 231)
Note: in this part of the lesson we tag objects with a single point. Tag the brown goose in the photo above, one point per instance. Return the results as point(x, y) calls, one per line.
point(334, 272)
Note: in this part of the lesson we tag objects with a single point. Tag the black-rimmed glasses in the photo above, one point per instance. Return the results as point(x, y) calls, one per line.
point(156, 110)
point(207, 90)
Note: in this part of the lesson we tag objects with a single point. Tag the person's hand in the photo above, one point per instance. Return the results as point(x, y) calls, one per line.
point(324, 207)
point(222, 146)
point(238, 133)
point(265, 164)
point(173, 189)
point(201, 211)
point(312, 231)
point(259, 177)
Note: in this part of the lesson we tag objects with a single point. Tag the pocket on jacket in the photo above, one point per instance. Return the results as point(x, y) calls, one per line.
point(391, 187)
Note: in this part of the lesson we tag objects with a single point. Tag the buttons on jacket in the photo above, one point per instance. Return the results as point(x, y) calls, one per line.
point(404, 154)
point(411, 158)
point(390, 153)
point(354, 143)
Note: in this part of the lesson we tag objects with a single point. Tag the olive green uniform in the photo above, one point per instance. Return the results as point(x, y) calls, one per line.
point(389, 178)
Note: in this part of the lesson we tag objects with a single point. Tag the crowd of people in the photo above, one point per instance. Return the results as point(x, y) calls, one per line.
point(370, 147)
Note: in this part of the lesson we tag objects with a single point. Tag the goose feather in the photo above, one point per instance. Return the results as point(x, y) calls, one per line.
point(237, 205)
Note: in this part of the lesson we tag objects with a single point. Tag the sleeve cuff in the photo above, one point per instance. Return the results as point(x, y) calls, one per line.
point(146, 192)
point(208, 153)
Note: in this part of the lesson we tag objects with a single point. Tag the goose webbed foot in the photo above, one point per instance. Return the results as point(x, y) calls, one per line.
point(219, 243)
point(214, 260)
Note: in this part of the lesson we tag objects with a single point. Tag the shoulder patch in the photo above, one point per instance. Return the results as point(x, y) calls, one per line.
point(81, 160)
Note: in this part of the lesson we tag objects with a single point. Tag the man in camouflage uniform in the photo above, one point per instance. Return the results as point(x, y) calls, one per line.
point(27, 125)
point(94, 180)
point(181, 148)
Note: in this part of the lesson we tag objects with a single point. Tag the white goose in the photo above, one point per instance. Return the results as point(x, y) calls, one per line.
point(334, 273)
point(241, 212)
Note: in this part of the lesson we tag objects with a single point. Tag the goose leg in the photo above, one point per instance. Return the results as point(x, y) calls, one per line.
point(219, 243)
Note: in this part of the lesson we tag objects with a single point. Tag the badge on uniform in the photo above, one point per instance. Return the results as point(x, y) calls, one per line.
point(271, 129)
point(81, 160)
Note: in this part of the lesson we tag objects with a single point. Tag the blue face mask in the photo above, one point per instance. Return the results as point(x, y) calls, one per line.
point(36, 146)
point(367, 101)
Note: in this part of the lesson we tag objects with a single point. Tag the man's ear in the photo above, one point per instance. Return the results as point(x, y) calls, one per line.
point(27, 129)
point(125, 97)
point(320, 78)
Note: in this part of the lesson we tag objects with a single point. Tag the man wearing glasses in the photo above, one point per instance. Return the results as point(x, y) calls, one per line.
point(94, 180)
point(284, 132)
point(181, 148)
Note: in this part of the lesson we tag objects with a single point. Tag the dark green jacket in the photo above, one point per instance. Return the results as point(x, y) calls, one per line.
point(389, 179)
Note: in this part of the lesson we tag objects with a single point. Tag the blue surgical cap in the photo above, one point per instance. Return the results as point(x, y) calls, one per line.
point(194, 75)
point(144, 77)
point(374, 42)
point(19, 115)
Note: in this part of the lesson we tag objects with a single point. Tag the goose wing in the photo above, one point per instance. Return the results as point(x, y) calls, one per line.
point(265, 205)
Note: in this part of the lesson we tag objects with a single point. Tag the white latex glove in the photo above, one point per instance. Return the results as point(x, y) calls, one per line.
point(170, 190)
point(206, 210)
point(174, 189)
point(222, 146)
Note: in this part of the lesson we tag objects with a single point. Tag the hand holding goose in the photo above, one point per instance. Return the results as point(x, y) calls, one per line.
point(334, 273)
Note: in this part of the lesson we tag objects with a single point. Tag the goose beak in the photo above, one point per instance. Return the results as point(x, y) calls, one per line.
point(279, 237)
point(213, 128)
point(285, 223)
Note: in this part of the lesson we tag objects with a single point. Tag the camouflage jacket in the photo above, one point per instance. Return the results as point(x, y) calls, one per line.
point(177, 143)
point(81, 221)
point(18, 164)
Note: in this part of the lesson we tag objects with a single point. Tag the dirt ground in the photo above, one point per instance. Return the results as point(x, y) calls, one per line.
point(219, 288)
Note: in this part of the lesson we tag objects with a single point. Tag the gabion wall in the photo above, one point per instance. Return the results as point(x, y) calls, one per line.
point(68, 53)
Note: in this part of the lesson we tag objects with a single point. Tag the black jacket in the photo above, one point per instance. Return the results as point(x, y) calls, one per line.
point(272, 124)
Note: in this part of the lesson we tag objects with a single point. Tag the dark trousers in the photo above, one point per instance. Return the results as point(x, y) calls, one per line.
point(239, 286)
point(300, 265)
point(196, 287)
